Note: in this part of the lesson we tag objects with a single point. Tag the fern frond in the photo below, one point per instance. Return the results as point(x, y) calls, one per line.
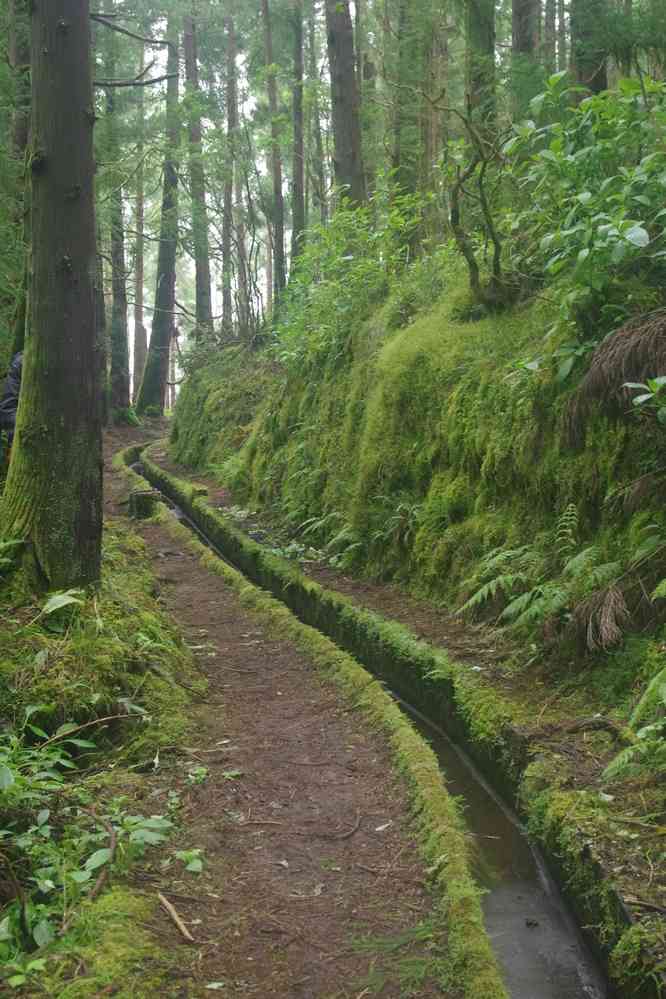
point(505, 584)
point(577, 565)
point(654, 693)
point(622, 762)
point(566, 531)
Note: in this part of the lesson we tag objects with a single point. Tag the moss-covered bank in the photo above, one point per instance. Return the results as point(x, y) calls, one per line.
point(89, 694)
point(470, 711)
point(422, 447)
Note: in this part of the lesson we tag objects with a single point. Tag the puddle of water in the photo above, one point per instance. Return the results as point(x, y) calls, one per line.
point(535, 939)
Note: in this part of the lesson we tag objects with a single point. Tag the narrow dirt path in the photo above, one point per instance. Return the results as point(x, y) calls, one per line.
point(312, 884)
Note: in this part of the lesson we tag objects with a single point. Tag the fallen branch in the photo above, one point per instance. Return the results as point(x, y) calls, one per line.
point(178, 922)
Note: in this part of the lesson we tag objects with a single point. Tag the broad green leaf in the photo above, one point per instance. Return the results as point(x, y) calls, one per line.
point(42, 816)
point(80, 877)
point(43, 933)
point(59, 600)
point(98, 859)
point(6, 778)
point(638, 236)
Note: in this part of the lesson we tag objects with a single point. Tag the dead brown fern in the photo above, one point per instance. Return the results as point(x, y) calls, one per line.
point(633, 353)
point(602, 618)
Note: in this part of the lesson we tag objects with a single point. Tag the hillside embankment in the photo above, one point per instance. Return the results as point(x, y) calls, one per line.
point(441, 457)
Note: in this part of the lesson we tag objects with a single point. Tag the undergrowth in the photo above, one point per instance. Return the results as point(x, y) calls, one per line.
point(90, 686)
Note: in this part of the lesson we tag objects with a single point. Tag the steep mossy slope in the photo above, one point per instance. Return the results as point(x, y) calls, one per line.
point(423, 447)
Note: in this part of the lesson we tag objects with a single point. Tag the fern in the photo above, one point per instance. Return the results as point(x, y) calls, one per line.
point(504, 584)
point(621, 763)
point(566, 532)
point(653, 695)
point(537, 606)
point(579, 564)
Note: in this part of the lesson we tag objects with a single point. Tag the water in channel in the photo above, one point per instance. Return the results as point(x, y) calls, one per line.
point(535, 939)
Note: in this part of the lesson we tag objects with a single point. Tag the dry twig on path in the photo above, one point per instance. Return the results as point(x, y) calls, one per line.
point(178, 922)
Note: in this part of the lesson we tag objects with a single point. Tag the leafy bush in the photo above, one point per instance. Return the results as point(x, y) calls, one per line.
point(593, 180)
point(343, 274)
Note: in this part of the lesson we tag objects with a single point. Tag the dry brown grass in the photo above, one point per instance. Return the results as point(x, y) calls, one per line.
point(633, 353)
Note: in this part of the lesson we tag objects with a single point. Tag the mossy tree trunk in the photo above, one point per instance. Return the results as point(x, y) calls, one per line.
point(345, 107)
point(279, 264)
point(298, 155)
point(153, 387)
point(140, 334)
point(119, 398)
point(53, 495)
point(203, 302)
point(588, 56)
point(19, 60)
point(318, 159)
point(231, 94)
point(481, 76)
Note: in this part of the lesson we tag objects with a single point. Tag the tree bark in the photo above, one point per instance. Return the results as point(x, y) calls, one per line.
point(480, 34)
point(562, 57)
point(549, 36)
point(279, 265)
point(347, 158)
point(319, 165)
point(19, 61)
point(153, 387)
point(140, 333)
point(203, 307)
point(229, 172)
point(298, 162)
point(588, 59)
point(525, 75)
point(53, 494)
point(119, 399)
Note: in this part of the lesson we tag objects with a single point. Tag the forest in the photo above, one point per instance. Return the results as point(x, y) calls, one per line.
point(332, 554)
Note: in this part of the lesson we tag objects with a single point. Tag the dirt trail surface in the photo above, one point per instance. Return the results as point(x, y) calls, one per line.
point(312, 884)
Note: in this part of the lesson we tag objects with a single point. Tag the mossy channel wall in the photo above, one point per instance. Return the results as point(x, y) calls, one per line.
point(474, 716)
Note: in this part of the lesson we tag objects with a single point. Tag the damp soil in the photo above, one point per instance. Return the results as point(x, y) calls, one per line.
point(312, 887)
point(626, 826)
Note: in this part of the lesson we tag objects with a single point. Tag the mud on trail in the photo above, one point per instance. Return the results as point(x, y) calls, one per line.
point(312, 883)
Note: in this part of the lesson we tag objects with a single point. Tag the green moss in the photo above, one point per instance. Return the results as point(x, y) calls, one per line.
point(115, 946)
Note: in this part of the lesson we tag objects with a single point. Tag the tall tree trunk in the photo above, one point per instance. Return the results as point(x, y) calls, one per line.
point(549, 36)
point(53, 494)
point(480, 35)
point(172, 369)
point(153, 388)
point(203, 307)
point(347, 159)
point(525, 75)
point(279, 266)
point(140, 333)
point(588, 58)
point(229, 172)
point(19, 60)
point(298, 162)
point(319, 165)
point(244, 322)
point(562, 55)
point(270, 284)
point(100, 328)
point(120, 378)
